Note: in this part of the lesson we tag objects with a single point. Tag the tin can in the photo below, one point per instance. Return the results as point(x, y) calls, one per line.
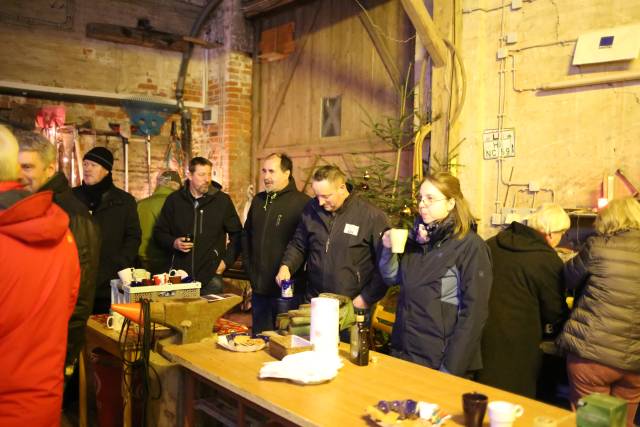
point(286, 286)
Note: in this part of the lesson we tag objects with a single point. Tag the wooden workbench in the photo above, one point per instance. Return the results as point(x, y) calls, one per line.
point(342, 401)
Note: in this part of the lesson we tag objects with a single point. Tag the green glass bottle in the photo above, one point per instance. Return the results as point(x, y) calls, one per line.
point(360, 340)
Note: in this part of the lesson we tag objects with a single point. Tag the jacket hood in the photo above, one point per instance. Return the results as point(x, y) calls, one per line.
point(520, 238)
point(34, 220)
point(163, 190)
point(291, 186)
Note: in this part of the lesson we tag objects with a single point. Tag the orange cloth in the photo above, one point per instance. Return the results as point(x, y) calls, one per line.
point(40, 279)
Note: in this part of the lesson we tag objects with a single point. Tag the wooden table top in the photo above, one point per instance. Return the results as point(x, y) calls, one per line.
point(343, 400)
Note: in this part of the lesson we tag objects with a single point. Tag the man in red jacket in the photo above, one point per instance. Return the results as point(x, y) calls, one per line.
point(40, 279)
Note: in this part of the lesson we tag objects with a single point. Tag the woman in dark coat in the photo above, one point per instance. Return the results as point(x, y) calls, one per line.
point(602, 336)
point(445, 279)
point(526, 294)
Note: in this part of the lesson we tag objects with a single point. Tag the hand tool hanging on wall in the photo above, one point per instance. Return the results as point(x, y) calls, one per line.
point(174, 152)
point(148, 148)
point(124, 136)
point(147, 118)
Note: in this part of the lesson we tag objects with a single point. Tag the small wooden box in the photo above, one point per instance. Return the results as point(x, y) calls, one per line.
point(280, 346)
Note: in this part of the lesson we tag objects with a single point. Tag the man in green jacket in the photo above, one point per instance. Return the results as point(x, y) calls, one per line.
point(152, 257)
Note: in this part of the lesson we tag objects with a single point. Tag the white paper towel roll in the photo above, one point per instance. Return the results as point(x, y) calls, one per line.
point(325, 325)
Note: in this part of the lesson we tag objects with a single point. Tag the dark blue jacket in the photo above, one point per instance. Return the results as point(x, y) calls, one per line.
point(209, 220)
point(270, 225)
point(443, 303)
point(340, 250)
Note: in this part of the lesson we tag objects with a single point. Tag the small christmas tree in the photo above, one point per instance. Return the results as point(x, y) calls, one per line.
point(375, 183)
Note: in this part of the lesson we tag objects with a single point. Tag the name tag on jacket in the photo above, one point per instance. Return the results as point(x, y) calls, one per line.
point(351, 229)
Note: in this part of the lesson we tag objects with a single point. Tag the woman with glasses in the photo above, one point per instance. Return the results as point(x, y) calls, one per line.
point(602, 335)
point(445, 279)
point(527, 294)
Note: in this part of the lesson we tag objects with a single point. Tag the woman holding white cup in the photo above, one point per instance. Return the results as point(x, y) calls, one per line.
point(445, 278)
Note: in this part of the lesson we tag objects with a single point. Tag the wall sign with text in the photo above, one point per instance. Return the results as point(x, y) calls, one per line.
point(497, 144)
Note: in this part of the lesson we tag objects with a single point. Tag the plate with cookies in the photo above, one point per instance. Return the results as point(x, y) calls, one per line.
point(241, 342)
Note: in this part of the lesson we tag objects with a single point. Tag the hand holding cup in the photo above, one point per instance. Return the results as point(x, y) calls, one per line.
point(183, 244)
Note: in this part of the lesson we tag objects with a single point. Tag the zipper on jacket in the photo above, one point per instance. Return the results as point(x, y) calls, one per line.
point(195, 232)
point(326, 246)
point(267, 208)
point(201, 220)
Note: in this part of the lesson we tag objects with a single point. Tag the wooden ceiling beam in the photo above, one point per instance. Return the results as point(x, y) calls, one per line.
point(146, 37)
point(253, 8)
point(426, 30)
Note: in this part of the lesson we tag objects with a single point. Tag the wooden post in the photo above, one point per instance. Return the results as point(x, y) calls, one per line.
point(426, 30)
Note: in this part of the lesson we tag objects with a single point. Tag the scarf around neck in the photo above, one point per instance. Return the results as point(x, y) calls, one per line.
point(94, 192)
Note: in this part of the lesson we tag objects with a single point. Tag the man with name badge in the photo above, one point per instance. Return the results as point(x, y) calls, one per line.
point(338, 236)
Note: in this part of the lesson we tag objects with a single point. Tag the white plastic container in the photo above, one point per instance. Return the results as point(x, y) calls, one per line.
point(124, 294)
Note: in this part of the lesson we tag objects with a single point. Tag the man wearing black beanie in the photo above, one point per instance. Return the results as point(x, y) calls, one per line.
point(115, 213)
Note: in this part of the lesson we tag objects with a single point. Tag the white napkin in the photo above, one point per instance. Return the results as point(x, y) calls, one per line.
point(307, 367)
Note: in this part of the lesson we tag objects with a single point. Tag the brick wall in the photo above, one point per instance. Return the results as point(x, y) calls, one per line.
point(22, 110)
point(227, 143)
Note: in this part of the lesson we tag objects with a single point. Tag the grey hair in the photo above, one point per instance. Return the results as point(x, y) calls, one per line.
point(33, 141)
point(168, 178)
point(549, 218)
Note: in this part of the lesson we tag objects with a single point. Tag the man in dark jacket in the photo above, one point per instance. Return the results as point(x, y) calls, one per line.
point(526, 294)
point(37, 159)
point(273, 217)
point(194, 223)
point(338, 236)
point(114, 211)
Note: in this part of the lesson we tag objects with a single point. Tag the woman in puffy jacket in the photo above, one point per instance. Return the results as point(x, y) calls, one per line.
point(602, 336)
point(445, 281)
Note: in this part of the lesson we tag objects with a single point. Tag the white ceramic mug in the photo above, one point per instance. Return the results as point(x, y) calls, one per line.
point(115, 321)
point(503, 414)
point(126, 275)
point(398, 239)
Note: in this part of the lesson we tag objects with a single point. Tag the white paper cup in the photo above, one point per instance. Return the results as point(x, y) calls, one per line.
point(503, 414)
point(398, 239)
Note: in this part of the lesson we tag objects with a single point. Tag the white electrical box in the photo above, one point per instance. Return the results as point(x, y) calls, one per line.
point(608, 45)
point(210, 115)
point(517, 214)
point(497, 143)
